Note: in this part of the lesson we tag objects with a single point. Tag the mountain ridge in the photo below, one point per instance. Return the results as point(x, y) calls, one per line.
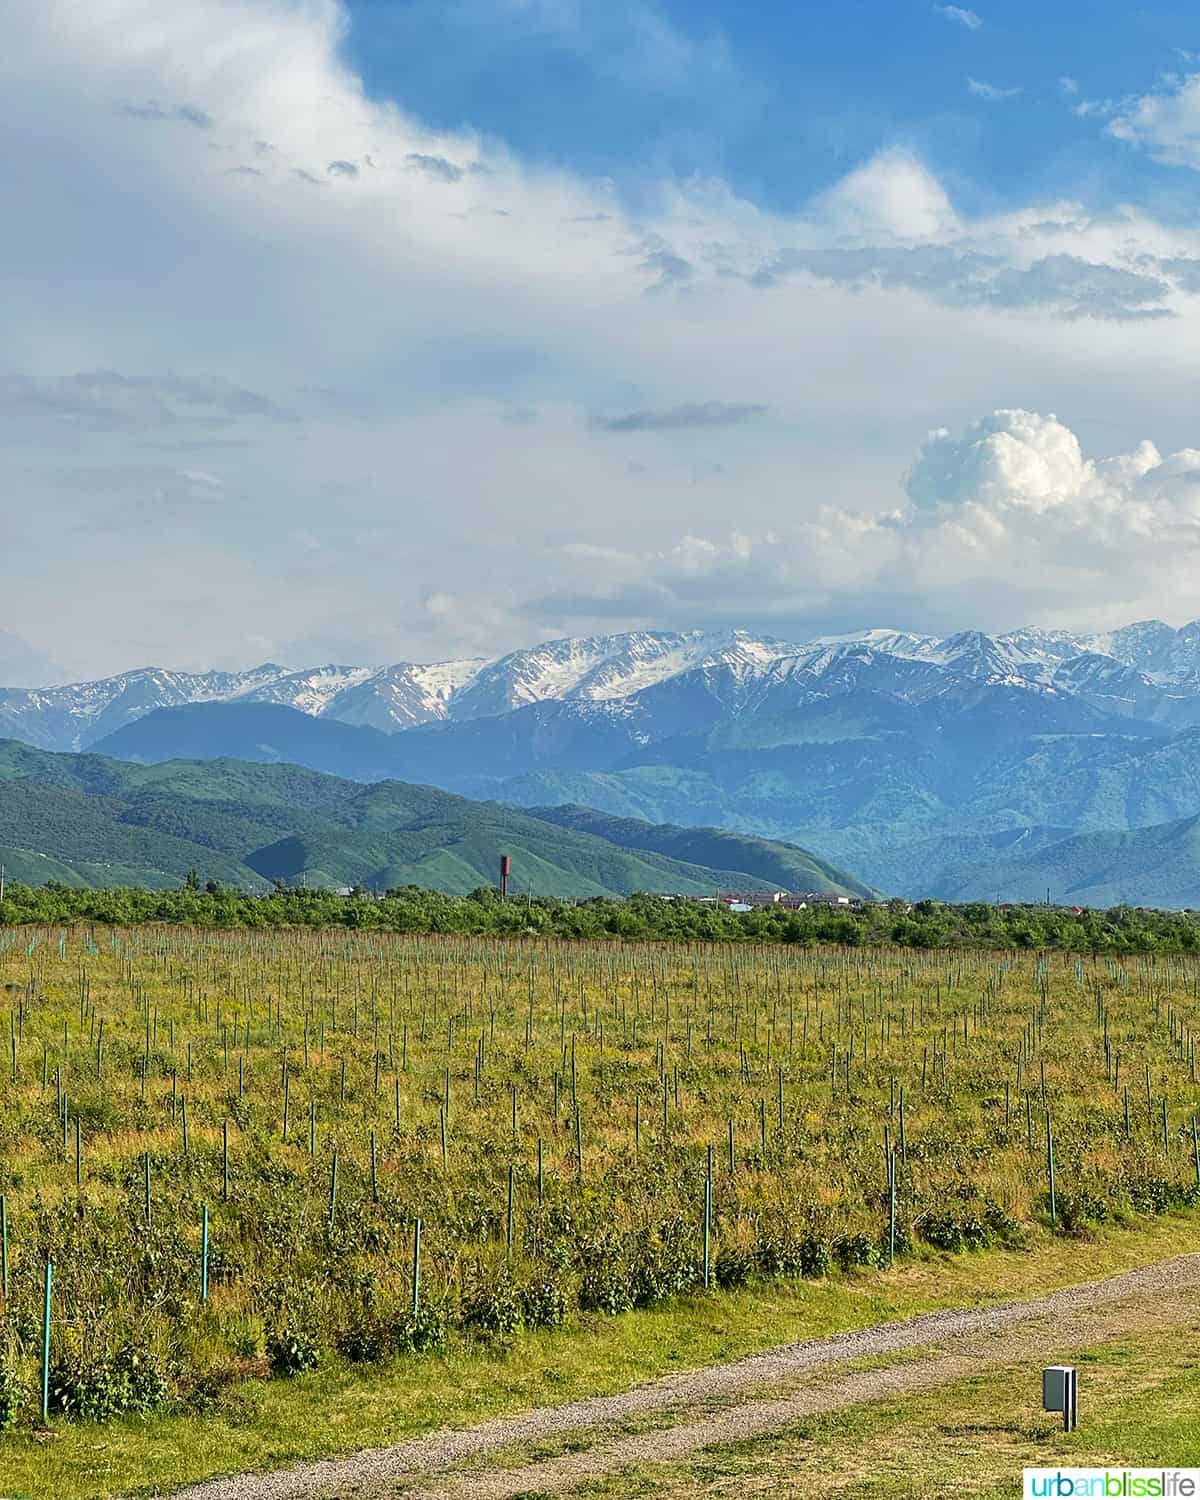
point(90, 820)
point(397, 697)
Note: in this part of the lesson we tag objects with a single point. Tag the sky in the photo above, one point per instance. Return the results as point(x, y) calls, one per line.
point(382, 330)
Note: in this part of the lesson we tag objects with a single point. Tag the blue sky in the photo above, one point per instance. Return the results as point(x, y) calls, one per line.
point(357, 331)
point(780, 99)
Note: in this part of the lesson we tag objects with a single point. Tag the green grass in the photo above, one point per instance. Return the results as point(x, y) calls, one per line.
point(666, 1049)
point(260, 1424)
point(1138, 1404)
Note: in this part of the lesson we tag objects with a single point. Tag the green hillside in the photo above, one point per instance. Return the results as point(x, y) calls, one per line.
point(785, 865)
point(89, 821)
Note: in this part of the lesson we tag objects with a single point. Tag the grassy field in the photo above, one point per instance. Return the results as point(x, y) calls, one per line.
point(557, 1117)
point(972, 1438)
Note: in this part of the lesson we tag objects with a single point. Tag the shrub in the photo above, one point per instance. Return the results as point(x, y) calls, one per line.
point(543, 1304)
point(423, 1330)
point(495, 1309)
point(98, 1388)
point(365, 1340)
point(942, 1231)
point(605, 1288)
point(734, 1268)
point(815, 1256)
point(12, 1396)
point(852, 1250)
point(292, 1351)
point(664, 1264)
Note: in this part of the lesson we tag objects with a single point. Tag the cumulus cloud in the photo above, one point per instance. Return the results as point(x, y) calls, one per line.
point(700, 414)
point(1166, 123)
point(894, 195)
point(1006, 516)
point(360, 352)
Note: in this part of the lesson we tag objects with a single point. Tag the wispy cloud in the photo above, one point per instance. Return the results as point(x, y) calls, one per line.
point(186, 114)
point(1068, 85)
point(441, 168)
point(106, 401)
point(1066, 285)
point(699, 414)
point(991, 91)
point(960, 16)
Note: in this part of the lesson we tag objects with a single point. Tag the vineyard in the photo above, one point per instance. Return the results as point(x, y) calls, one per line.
point(235, 1154)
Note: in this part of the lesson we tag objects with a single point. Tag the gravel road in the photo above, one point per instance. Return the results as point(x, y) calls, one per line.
point(959, 1341)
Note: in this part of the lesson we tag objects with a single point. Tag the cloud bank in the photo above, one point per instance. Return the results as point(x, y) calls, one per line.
point(284, 362)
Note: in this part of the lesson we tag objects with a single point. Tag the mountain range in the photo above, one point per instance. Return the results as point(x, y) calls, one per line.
point(971, 764)
point(90, 820)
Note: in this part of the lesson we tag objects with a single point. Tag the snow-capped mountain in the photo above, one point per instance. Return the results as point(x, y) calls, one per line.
point(606, 666)
point(70, 717)
point(1148, 672)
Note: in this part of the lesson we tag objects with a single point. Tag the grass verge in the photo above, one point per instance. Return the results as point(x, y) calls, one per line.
point(1138, 1408)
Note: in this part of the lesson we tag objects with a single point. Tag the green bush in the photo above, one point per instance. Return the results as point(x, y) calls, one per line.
point(13, 1394)
point(292, 1351)
point(734, 1268)
point(495, 1308)
point(100, 1387)
point(543, 1304)
point(852, 1250)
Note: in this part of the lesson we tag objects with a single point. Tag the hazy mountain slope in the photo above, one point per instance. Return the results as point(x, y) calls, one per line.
point(784, 865)
point(1156, 866)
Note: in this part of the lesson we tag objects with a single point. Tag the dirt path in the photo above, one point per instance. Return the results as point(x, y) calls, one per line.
point(959, 1341)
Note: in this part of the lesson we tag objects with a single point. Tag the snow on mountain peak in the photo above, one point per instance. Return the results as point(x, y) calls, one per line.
point(1145, 669)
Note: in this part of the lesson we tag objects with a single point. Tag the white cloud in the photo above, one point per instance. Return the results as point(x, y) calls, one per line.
point(894, 195)
point(1165, 123)
point(445, 371)
point(1007, 518)
point(990, 91)
point(961, 16)
point(1067, 85)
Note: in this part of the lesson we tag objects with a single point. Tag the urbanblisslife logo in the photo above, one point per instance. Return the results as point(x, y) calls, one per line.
point(1119, 1484)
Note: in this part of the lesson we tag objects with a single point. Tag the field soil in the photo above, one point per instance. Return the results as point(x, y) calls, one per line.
point(552, 1450)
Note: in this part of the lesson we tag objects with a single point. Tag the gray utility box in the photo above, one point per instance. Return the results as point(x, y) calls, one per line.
point(1060, 1392)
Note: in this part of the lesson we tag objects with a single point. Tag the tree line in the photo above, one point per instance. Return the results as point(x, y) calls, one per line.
point(923, 924)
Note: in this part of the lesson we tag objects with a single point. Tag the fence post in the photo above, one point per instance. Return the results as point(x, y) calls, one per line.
point(204, 1257)
point(46, 1343)
point(416, 1267)
point(707, 1232)
point(4, 1245)
point(1050, 1169)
